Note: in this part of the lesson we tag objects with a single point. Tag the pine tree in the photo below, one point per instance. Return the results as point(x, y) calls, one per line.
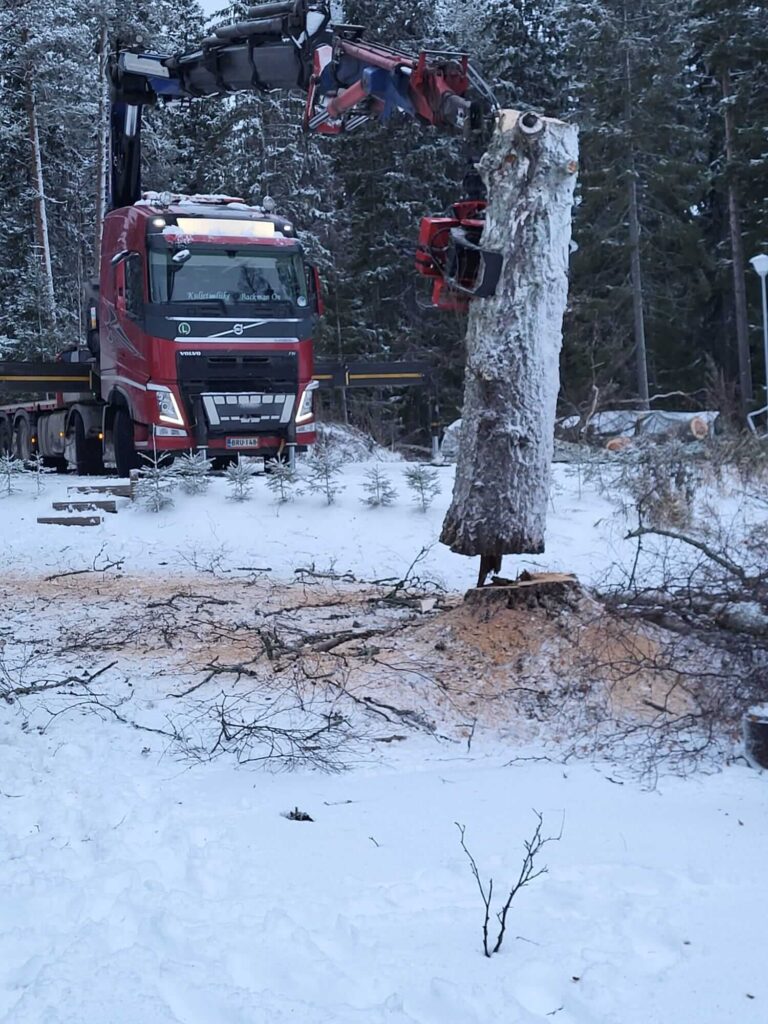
point(378, 488)
point(424, 483)
point(154, 490)
point(517, 46)
point(51, 132)
point(325, 468)
point(37, 466)
point(728, 58)
point(10, 469)
point(193, 469)
point(387, 177)
point(240, 476)
point(282, 480)
point(637, 282)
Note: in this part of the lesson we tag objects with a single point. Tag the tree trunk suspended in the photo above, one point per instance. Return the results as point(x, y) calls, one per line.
point(513, 344)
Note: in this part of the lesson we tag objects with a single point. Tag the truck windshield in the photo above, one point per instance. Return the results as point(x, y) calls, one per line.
point(233, 276)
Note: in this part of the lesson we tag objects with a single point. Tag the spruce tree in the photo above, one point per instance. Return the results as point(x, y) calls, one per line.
point(728, 66)
point(637, 281)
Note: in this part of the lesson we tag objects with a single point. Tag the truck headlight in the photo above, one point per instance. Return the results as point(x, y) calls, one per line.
point(305, 410)
point(167, 407)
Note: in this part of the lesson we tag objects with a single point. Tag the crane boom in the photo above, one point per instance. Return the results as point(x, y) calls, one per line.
point(292, 45)
point(288, 45)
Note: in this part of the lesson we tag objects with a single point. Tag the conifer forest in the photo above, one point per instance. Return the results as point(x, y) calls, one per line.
point(671, 101)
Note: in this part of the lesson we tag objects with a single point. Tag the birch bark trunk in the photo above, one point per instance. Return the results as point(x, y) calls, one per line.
point(41, 214)
point(102, 141)
point(513, 344)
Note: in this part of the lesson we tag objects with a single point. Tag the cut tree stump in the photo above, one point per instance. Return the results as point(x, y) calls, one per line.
point(548, 591)
point(512, 378)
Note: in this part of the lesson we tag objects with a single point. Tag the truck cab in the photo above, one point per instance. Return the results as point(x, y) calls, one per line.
point(202, 329)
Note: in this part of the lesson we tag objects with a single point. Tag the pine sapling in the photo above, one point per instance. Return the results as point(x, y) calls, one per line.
point(193, 469)
point(282, 481)
point(424, 483)
point(240, 476)
point(378, 488)
point(324, 470)
point(10, 468)
point(39, 469)
point(156, 483)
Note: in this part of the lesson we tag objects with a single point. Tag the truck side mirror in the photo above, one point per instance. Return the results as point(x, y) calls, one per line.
point(318, 292)
point(315, 290)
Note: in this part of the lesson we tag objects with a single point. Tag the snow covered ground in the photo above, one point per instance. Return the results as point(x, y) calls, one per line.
point(137, 887)
point(584, 534)
point(137, 890)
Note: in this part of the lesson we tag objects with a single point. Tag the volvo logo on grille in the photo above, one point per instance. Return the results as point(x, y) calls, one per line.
point(238, 329)
point(184, 329)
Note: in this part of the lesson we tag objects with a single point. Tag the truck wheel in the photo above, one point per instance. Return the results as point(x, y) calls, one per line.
point(5, 437)
point(22, 447)
point(88, 459)
point(126, 458)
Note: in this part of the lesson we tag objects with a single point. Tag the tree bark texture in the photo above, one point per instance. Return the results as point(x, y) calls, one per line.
point(737, 251)
point(636, 274)
point(512, 378)
point(102, 142)
point(41, 214)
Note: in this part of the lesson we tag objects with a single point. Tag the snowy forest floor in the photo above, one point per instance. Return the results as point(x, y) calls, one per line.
point(150, 872)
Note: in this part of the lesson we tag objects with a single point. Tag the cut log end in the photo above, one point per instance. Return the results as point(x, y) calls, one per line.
point(550, 591)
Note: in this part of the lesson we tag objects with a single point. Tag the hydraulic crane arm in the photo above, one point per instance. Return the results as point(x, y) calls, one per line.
point(291, 45)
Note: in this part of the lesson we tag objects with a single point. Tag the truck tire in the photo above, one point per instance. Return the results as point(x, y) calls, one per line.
point(22, 439)
point(126, 458)
point(5, 437)
point(88, 457)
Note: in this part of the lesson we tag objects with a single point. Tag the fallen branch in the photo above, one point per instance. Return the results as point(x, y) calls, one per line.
point(715, 556)
point(116, 563)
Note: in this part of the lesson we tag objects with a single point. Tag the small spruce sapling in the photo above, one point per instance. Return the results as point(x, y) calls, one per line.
point(156, 483)
point(282, 481)
point(378, 489)
point(240, 476)
point(193, 470)
point(39, 469)
point(424, 483)
point(324, 469)
point(10, 468)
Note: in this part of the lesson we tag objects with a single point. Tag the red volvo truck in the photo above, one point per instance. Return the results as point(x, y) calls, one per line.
point(200, 327)
point(199, 337)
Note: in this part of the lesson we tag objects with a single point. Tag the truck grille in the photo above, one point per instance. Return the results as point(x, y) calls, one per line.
point(240, 392)
point(243, 412)
point(275, 372)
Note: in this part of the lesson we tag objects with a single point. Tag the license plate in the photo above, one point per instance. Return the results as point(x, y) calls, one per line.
point(243, 442)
